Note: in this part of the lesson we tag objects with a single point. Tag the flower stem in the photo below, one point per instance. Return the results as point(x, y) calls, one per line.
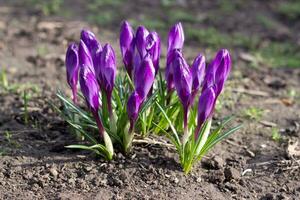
point(74, 95)
point(104, 136)
point(99, 123)
point(186, 133)
point(128, 137)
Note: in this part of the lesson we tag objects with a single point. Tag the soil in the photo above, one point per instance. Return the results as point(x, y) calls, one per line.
point(35, 165)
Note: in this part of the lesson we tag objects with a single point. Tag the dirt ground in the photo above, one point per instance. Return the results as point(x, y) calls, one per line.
point(260, 161)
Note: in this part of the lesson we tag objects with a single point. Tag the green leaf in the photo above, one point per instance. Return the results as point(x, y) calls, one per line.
point(173, 140)
point(170, 124)
point(98, 149)
point(86, 135)
point(218, 139)
point(73, 107)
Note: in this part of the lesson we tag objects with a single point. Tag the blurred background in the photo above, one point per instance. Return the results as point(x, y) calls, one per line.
point(268, 31)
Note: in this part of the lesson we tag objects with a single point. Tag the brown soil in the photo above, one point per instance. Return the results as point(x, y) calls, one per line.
point(35, 164)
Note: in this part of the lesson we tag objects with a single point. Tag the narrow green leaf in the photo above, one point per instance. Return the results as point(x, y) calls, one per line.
point(170, 124)
point(219, 138)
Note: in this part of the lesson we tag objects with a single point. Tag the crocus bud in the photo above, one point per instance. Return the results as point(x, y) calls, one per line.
point(106, 72)
point(223, 70)
point(141, 35)
point(182, 79)
point(169, 69)
point(133, 108)
point(91, 42)
point(218, 71)
point(88, 83)
point(183, 85)
point(85, 58)
point(198, 72)
point(205, 107)
point(144, 77)
point(72, 68)
point(127, 46)
point(153, 48)
point(175, 37)
point(175, 43)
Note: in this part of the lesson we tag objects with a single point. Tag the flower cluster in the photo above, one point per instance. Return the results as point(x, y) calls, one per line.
point(115, 108)
point(97, 69)
point(141, 53)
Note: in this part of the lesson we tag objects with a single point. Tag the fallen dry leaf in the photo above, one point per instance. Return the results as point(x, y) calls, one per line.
point(287, 102)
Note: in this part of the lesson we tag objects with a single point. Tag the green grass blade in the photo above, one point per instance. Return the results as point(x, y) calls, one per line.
point(218, 139)
point(170, 124)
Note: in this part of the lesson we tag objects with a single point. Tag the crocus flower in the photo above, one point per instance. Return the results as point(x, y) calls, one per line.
point(175, 37)
point(153, 48)
point(106, 72)
point(218, 71)
point(169, 70)
point(183, 84)
point(141, 35)
point(90, 90)
point(175, 43)
point(72, 68)
point(198, 72)
point(91, 42)
point(133, 108)
point(143, 83)
point(223, 70)
point(145, 75)
point(88, 82)
point(127, 44)
point(205, 107)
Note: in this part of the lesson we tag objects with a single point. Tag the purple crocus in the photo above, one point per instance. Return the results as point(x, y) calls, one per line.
point(183, 84)
point(175, 37)
point(218, 71)
point(145, 75)
point(143, 83)
point(216, 75)
point(91, 42)
point(133, 108)
point(89, 85)
point(106, 72)
point(127, 44)
point(141, 35)
point(153, 48)
point(205, 108)
point(169, 70)
point(88, 82)
point(175, 43)
point(198, 72)
point(72, 68)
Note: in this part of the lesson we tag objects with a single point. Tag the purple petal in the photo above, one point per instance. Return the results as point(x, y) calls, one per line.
point(72, 65)
point(153, 48)
point(107, 70)
point(133, 106)
point(89, 88)
point(223, 70)
point(91, 42)
point(144, 77)
point(206, 105)
point(85, 59)
point(198, 72)
point(169, 69)
point(182, 80)
point(218, 71)
point(127, 43)
point(176, 37)
point(141, 35)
